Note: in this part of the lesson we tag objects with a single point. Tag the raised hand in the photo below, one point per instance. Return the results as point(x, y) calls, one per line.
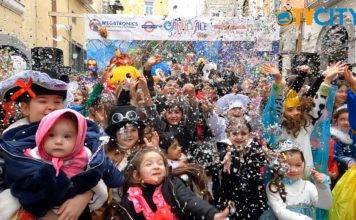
point(152, 61)
point(105, 75)
point(304, 69)
point(272, 70)
point(222, 215)
point(351, 78)
point(146, 93)
point(332, 71)
point(227, 162)
point(318, 177)
point(188, 90)
point(207, 106)
point(154, 142)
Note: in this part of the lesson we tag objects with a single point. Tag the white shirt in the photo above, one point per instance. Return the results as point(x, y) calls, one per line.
point(299, 192)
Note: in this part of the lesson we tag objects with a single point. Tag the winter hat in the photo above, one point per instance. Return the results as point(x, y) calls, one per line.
point(120, 116)
point(78, 158)
point(29, 84)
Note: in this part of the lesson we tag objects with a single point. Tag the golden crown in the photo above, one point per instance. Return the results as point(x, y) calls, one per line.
point(292, 99)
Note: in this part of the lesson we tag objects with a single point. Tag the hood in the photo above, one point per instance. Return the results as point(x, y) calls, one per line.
point(47, 123)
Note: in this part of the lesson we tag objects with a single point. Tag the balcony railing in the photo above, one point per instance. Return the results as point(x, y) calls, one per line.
point(87, 1)
point(319, 3)
point(13, 5)
point(88, 5)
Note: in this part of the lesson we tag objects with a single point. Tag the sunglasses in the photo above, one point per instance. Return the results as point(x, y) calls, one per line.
point(130, 115)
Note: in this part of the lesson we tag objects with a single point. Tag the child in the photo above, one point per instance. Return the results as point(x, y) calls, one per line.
point(241, 178)
point(60, 167)
point(31, 89)
point(80, 96)
point(126, 134)
point(126, 131)
point(344, 148)
point(173, 149)
point(289, 196)
point(340, 98)
point(341, 140)
point(344, 191)
point(231, 106)
point(38, 95)
point(174, 120)
point(295, 115)
point(151, 193)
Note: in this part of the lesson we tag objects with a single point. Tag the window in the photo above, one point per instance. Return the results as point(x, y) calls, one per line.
point(335, 43)
point(74, 19)
point(77, 57)
point(148, 8)
point(245, 8)
point(215, 13)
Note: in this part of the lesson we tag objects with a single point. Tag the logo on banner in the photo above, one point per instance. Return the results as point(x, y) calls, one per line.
point(119, 24)
point(313, 15)
point(94, 24)
point(229, 27)
point(178, 27)
point(149, 26)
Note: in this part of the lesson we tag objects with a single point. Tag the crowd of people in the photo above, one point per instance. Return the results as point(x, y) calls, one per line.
point(180, 142)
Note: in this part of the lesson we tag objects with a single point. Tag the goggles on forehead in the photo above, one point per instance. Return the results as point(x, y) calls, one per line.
point(130, 115)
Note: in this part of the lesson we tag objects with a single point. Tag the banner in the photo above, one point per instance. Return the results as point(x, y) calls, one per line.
point(263, 30)
point(243, 43)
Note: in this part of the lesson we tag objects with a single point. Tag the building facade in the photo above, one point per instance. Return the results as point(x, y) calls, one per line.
point(185, 8)
point(235, 8)
point(137, 7)
point(331, 42)
point(26, 24)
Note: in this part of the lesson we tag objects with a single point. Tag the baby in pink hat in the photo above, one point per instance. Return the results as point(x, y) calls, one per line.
point(60, 141)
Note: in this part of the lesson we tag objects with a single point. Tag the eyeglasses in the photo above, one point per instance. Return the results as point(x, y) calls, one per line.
point(130, 115)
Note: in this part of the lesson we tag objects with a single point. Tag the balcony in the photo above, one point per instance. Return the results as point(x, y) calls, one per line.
point(87, 1)
point(320, 3)
point(14, 5)
point(88, 5)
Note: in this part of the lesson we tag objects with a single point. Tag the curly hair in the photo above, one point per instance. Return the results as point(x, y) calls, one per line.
point(293, 125)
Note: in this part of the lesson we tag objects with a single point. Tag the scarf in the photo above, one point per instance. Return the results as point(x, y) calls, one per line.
point(163, 209)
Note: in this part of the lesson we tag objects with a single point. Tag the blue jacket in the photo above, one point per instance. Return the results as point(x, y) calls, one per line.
point(345, 150)
point(351, 107)
point(34, 181)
